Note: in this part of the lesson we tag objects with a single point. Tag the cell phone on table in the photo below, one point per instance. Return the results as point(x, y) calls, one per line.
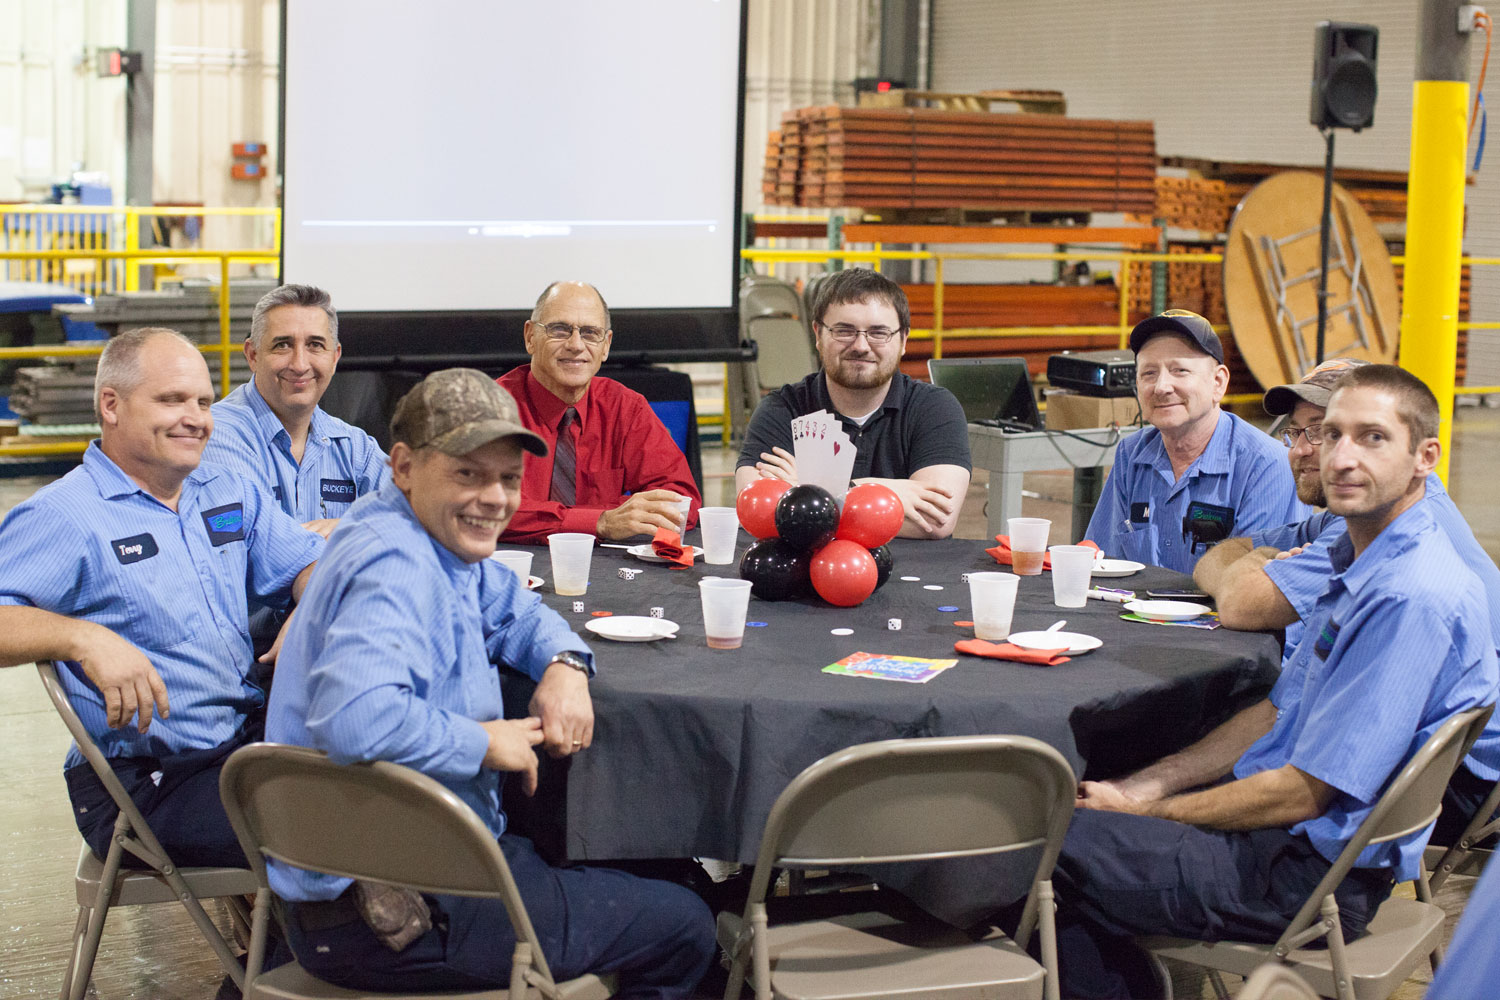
point(1179, 595)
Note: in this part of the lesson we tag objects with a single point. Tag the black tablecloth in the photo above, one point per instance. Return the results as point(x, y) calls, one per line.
point(692, 745)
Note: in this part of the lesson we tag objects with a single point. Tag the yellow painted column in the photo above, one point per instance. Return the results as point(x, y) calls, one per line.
point(1434, 242)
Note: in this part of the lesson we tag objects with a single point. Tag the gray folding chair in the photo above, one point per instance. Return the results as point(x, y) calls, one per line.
point(907, 800)
point(1403, 932)
point(1464, 857)
point(772, 318)
point(1276, 982)
point(100, 885)
point(384, 823)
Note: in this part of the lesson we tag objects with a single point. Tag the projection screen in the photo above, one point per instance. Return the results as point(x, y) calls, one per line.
point(443, 162)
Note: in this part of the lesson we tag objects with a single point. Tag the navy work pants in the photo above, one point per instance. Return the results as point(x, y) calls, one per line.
point(177, 794)
point(1120, 876)
point(1461, 800)
point(658, 938)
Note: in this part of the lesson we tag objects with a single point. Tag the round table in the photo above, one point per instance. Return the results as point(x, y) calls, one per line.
point(692, 745)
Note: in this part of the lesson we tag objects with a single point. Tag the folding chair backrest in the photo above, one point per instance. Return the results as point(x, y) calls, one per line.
point(904, 800)
point(763, 295)
point(377, 821)
point(1410, 802)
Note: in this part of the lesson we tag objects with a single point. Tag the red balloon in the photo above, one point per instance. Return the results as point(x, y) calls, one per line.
point(872, 515)
point(844, 573)
point(756, 506)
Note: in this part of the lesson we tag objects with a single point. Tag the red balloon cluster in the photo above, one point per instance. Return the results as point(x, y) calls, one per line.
point(843, 568)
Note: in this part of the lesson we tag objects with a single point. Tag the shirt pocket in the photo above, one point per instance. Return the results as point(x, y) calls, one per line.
point(1137, 542)
point(163, 600)
point(601, 487)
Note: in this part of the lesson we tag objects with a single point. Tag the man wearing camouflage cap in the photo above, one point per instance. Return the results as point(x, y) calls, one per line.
point(393, 656)
point(1197, 475)
point(1272, 579)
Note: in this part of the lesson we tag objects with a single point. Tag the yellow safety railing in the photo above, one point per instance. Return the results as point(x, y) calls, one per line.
point(79, 230)
point(225, 348)
point(938, 332)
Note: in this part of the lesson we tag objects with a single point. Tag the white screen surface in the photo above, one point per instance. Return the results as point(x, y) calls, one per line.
point(460, 155)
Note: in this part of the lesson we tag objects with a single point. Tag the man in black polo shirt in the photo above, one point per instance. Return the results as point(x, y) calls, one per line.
point(910, 435)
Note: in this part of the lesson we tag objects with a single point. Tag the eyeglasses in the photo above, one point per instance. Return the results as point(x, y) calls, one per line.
point(564, 331)
point(1313, 432)
point(876, 336)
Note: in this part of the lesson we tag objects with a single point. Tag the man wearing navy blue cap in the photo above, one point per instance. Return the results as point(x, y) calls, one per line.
point(1197, 475)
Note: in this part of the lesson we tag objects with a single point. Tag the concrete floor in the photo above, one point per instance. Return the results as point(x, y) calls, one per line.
point(154, 953)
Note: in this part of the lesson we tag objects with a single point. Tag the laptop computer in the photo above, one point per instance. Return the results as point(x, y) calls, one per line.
point(995, 392)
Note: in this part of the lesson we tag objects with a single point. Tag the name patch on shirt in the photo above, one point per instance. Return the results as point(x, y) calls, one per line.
point(1140, 513)
point(276, 492)
point(225, 524)
point(338, 491)
point(134, 549)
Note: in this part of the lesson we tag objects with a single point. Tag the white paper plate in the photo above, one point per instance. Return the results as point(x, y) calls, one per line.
point(1076, 642)
point(645, 553)
point(533, 582)
point(1117, 567)
point(632, 628)
point(1167, 611)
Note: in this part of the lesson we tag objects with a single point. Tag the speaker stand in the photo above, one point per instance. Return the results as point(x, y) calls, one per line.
point(1325, 224)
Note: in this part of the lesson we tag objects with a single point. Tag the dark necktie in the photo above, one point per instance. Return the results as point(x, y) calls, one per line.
point(565, 461)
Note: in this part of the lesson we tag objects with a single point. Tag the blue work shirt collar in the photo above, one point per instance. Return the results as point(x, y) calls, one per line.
point(112, 482)
point(1401, 534)
point(1215, 459)
point(459, 573)
point(270, 424)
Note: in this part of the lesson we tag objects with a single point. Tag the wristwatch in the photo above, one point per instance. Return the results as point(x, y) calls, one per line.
point(571, 659)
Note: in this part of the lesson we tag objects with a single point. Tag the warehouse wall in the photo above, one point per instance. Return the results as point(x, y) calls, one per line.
point(1223, 80)
point(215, 84)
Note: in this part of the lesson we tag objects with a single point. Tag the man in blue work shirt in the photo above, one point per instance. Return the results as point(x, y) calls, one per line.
point(1274, 578)
point(1197, 475)
point(1226, 838)
point(132, 571)
point(271, 429)
point(392, 656)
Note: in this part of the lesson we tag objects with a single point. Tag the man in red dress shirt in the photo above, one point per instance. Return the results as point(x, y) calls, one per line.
point(612, 469)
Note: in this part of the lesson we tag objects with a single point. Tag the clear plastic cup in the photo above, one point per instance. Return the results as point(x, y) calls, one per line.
point(1028, 544)
point(1072, 569)
point(572, 551)
point(684, 506)
point(516, 561)
point(993, 597)
point(725, 603)
point(719, 527)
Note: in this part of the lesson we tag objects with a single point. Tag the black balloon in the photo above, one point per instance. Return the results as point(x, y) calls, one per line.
point(883, 564)
point(807, 517)
point(776, 570)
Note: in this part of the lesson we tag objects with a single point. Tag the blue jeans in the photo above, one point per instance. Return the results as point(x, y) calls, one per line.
point(1120, 876)
point(658, 938)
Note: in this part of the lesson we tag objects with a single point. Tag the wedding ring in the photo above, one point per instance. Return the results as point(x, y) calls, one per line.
point(578, 743)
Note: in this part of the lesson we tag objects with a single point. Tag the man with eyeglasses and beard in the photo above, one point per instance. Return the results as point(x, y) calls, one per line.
point(910, 436)
point(614, 470)
point(1273, 579)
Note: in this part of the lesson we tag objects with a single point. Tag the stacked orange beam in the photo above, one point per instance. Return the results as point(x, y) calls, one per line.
point(927, 158)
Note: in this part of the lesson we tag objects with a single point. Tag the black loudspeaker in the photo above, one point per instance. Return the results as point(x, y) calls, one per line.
point(1343, 79)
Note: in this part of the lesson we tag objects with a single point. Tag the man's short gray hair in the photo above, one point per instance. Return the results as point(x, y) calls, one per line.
point(536, 310)
point(292, 295)
point(120, 364)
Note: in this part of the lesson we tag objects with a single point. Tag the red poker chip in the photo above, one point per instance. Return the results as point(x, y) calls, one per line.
point(602, 614)
point(964, 624)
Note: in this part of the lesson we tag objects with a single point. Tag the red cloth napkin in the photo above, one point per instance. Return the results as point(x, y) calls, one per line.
point(1001, 552)
point(668, 545)
point(1010, 651)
